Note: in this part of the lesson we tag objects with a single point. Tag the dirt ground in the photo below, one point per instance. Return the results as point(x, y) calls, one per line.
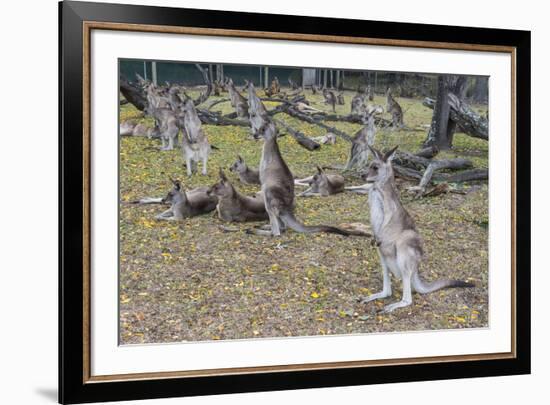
point(192, 281)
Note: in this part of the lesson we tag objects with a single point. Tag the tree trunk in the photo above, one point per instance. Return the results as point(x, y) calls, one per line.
point(468, 120)
point(481, 90)
point(442, 129)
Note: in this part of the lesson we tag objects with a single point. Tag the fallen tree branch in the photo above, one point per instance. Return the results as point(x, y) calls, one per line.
point(303, 140)
point(454, 164)
point(304, 117)
point(211, 118)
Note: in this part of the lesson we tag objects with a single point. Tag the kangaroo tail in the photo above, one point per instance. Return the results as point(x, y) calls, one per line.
point(290, 220)
point(424, 287)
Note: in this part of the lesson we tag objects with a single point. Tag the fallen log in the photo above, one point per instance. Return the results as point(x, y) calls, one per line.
point(304, 117)
point(428, 152)
point(303, 140)
point(468, 120)
point(211, 118)
point(453, 164)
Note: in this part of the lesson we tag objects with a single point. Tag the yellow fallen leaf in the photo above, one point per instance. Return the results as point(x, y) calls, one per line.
point(314, 295)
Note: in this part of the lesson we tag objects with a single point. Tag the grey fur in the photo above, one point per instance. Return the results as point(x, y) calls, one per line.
point(187, 204)
point(399, 243)
point(278, 189)
point(394, 109)
point(247, 175)
point(323, 184)
point(234, 206)
point(195, 146)
point(237, 100)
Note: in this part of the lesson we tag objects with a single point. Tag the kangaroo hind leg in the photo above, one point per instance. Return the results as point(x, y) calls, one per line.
point(408, 265)
point(386, 286)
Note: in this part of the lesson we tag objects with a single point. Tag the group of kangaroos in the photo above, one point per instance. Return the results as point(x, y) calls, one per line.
point(395, 235)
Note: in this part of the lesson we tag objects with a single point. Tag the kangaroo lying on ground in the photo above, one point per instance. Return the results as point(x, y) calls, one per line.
point(322, 184)
point(235, 207)
point(131, 128)
point(399, 243)
point(187, 204)
point(246, 174)
point(328, 139)
point(278, 190)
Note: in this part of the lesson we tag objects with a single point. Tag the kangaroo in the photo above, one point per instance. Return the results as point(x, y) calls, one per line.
point(237, 100)
point(195, 146)
point(131, 128)
point(275, 86)
point(167, 124)
point(235, 207)
point(340, 99)
point(246, 174)
point(257, 113)
point(399, 243)
point(278, 190)
point(328, 139)
point(322, 184)
point(187, 204)
point(394, 108)
point(293, 85)
point(360, 153)
point(330, 99)
point(357, 104)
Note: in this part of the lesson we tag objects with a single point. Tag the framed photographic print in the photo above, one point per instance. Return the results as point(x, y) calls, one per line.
point(255, 202)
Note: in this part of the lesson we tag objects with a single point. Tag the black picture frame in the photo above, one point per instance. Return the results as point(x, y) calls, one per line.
point(72, 385)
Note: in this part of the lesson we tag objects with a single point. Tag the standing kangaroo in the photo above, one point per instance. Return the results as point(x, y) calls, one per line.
point(322, 184)
point(246, 174)
point(194, 144)
point(394, 109)
point(357, 104)
point(330, 99)
point(257, 113)
point(167, 123)
point(187, 204)
point(235, 207)
point(237, 100)
point(399, 243)
point(278, 190)
point(360, 153)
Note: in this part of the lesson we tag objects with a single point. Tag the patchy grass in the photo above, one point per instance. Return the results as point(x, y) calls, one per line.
point(191, 281)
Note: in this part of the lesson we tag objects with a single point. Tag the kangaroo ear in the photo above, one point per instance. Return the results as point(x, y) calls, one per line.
point(388, 156)
point(240, 158)
point(376, 153)
point(319, 170)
